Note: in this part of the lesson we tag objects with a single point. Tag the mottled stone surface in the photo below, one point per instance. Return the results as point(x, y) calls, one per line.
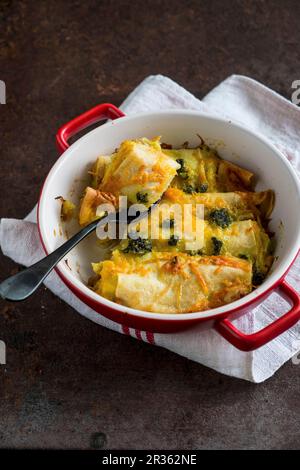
point(67, 382)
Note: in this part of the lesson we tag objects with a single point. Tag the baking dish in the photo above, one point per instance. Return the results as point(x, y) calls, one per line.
point(235, 143)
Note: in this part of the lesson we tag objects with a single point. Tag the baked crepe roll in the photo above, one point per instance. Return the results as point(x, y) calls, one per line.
point(240, 205)
point(202, 170)
point(92, 198)
point(139, 170)
point(168, 283)
point(98, 170)
point(245, 239)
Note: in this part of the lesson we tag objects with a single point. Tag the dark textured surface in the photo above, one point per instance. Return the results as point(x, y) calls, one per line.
point(67, 382)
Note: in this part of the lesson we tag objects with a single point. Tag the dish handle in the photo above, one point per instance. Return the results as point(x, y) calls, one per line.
point(96, 114)
point(249, 342)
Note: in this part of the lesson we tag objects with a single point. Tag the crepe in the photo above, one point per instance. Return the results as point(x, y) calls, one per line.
point(164, 283)
point(203, 170)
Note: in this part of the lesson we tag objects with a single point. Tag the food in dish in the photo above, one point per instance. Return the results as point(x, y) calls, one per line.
point(162, 282)
point(164, 274)
point(140, 170)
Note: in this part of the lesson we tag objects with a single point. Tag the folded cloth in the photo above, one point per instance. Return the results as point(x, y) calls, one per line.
point(240, 99)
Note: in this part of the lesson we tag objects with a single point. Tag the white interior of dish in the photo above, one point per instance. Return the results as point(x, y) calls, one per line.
point(68, 177)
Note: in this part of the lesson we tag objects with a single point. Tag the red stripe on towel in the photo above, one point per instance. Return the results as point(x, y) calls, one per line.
point(125, 330)
point(150, 337)
point(138, 334)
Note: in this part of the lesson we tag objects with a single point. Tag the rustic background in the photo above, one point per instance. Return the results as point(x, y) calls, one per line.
point(67, 382)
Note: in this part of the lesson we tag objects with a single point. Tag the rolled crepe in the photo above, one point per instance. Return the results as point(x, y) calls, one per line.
point(203, 168)
point(139, 170)
point(240, 205)
point(245, 239)
point(164, 283)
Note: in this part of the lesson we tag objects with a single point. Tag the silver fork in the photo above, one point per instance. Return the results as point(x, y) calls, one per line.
point(23, 284)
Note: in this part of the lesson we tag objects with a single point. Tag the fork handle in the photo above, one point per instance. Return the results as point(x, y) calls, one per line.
point(23, 284)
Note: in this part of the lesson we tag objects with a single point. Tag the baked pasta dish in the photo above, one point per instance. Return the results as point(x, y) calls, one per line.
point(221, 255)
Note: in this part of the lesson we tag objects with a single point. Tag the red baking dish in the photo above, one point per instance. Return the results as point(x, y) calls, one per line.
point(235, 143)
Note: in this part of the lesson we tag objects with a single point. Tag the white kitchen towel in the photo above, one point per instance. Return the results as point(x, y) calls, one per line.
point(240, 99)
